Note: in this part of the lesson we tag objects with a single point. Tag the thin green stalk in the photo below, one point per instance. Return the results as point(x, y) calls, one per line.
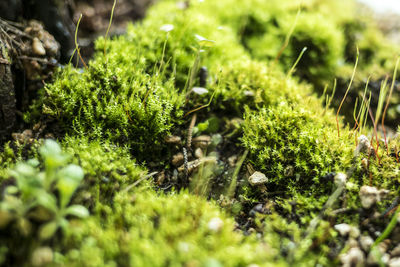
point(387, 103)
point(347, 91)
point(296, 62)
point(289, 35)
point(109, 26)
point(77, 45)
point(232, 186)
point(392, 224)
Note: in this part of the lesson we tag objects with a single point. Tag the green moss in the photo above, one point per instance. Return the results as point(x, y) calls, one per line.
point(120, 109)
point(145, 229)
point(289, 136)
point(108, 169)
point(107, 102)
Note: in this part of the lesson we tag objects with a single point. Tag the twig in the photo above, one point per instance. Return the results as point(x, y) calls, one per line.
point(129, 187)
point(190, 132)
point(185, 163)
point(199, 108)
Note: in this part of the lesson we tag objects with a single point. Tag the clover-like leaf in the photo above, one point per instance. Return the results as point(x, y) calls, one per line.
point(48, 230)
point(69, 179)
point(77, 210)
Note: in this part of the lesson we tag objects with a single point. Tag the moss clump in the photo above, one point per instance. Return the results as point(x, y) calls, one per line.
point(294, 145)
point(144, 229)
point(108, 169)
point(111, 102)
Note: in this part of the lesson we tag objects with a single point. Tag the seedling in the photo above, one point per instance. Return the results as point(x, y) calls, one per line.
point(43, 195)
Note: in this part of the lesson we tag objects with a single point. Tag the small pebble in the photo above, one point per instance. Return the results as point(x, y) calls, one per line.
point(37, 47)
point(232, 160)
point(201, 141)
point(258, 178)
point(394, 262)
point(42, 256)
point(340, 179)
point(198, 153)
point(343, 229)
point(396, 251)
point(364, 145)
point(167, 27)
point(368, 196)
point(199, 90)
point(177, 159)
point(354, 257)
point(172, 139)
point(366, 242)
point(215, 224)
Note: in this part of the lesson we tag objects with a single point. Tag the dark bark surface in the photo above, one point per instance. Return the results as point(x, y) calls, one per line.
point(7, 95)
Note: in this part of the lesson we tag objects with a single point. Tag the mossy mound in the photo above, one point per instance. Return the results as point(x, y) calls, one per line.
point(296, 146)
point(146, 229)
point(114, 116)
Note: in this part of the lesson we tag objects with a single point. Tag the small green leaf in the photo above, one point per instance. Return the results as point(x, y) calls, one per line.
point(73, 172)
point(48, 230)
point(204, 42)
point(77, 210)
point(50, 148)
point(11, 190)
point(47, 201)
point(33, 162)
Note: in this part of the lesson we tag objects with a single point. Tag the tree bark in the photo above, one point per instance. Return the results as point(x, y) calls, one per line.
point(7, 94)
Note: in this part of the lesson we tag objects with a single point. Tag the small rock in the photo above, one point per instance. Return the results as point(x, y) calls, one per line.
point(343, 229)
point(37, 47)
point(215, 224)
point(368, 196)
point(167, 27)
point(340, 179)
point(248, 93)
point(25, 136)
point(354, 257)
point(259, 208)
point(198, 153)
point(396, 251)
point(289, 171)
point(42, 256)
point(199, 90)
point(172, 139)
point(382, 194)
point(364, 145)
point(364, 163)
point(366, 242)
point(258, 178)
point(201, 141)
point(177, 159)
point(161, 178)
point(394, 262)
point(232, 160)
